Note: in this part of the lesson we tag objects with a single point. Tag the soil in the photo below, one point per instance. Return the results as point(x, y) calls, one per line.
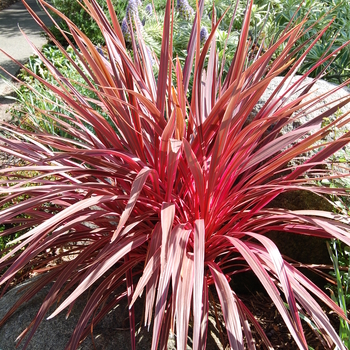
point(7, 160)
point(276, 330)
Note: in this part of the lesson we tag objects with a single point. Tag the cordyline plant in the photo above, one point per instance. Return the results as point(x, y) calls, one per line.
point(171, 198)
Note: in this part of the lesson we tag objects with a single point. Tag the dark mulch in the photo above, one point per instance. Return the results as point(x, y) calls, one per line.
point(272, 323)
point(8, 160)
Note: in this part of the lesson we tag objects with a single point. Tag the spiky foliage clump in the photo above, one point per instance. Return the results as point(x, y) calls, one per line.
point(172, 196)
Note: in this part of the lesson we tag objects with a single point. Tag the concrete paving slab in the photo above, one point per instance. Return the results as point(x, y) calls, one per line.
point(14, 43)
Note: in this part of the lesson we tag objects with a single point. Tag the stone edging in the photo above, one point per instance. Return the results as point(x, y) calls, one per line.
point(6, 3)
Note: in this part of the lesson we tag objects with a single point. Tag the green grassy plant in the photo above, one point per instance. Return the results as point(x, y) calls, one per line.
point(170, 197)
point(34, 99)
point(281, 12)
point(340, 257)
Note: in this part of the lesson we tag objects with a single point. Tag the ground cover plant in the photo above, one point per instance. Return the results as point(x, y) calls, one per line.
point(281, 12)
point(340, 257)
point(34, 96)
point(172, 199)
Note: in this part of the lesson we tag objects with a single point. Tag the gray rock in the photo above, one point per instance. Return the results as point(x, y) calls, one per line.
point(112, 333)
point(320, 87)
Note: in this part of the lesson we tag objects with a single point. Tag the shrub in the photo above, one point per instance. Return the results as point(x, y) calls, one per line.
point(281, 12)
point(176, 201)
point(77, 14)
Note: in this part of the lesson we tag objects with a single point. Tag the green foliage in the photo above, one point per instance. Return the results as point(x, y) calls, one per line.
point(268, 21)
point(281, 12)
point(5, 241)
point(340, 256)
point(35, 99)
point(77, 13)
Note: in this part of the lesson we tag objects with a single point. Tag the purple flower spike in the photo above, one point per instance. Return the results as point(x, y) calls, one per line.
point(125, 30)
point(185, 10)
point(149, 9)
point(132, 13)
point(99, 50)
point(132, 9)
point(204, 35)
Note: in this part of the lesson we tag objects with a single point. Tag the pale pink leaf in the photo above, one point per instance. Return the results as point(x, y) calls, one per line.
point(228, 306)
point(136, 189)
point(174, 152)
point(119, 251)
point(151, 287)
point(164, 143)
point(167, 218)
point(179, 274)
point(270, 287)
point(164, 280)
point(183, 302)
point(196, 171)
point(198, 252)
point(150, 269)
point(205, 313)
